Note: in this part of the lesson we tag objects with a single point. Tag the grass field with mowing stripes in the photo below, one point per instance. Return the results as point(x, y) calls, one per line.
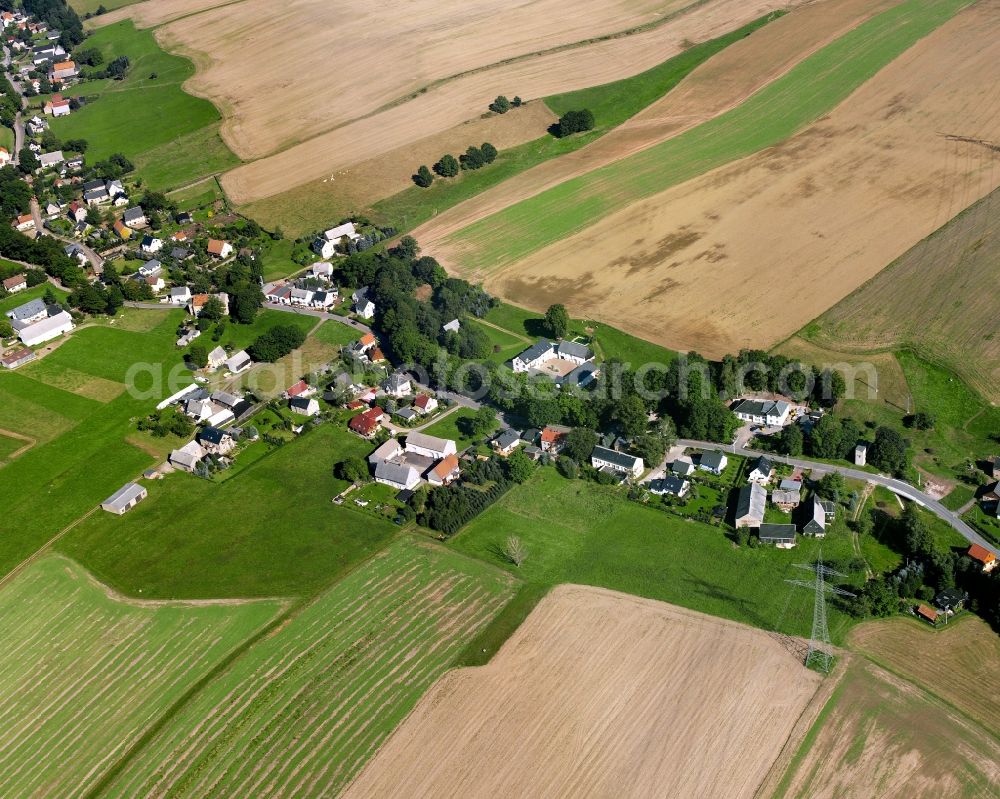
point(805, 93)
point(84, 675)
point(301, 712)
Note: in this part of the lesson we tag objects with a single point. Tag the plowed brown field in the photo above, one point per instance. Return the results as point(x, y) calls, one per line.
point(745, 255)
point(602, 694)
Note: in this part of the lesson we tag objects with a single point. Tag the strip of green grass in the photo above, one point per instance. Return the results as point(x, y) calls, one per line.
point(811, 89)
point(611, 103)
point(171, 136)
point(449, 427)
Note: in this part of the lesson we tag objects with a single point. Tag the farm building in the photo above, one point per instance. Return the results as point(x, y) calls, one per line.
point(238, 362)
point(927, 614)
point(781, 535)
point(45, 329)
point(430, 446)
point(385, 452)
point(18, 358)
point(397, 475)
point(126, 497)
point(187, 457)
point(614, 461)
point(14, 284)
point(750, 506)
point(786, 499)
point(444, 471)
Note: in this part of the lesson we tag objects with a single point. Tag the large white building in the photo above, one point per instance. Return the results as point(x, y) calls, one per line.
point(613, 460)
point(326, 245)
point(430, 446)
point(771, 413)
point(46, 329)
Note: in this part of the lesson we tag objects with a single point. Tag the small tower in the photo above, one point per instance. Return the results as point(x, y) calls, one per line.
point(861, 454)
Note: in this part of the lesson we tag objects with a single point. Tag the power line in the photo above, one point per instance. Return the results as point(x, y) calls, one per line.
point(820, 655)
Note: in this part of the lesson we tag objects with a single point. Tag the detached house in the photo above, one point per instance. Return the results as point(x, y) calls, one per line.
point(771, 413)
point(304, 405)
point(215, 441)
point(506, 442)
point(614, 461)
point(986, 559)
point(761, 471)
point(219, 249)
point(361, 305)
point(24, 222)
point(367, 424)
point(15, 284)
point(151, 245)
point(334, 239)
point(398, 385)
point(815, 523)
point(424, 403)
point(714, 462)
point(445, 472)
point(134, 217)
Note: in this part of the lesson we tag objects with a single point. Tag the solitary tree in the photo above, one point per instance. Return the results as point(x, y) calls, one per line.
point(575, 122)
point(424, 178)
point(501, 105)
point(517, 102)
point(557, 320)
point(488, 152)
point(514, 551)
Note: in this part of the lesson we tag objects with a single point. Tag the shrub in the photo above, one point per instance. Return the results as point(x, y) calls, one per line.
point(424, 178)
point(501, 105)
point(447, 167)
point(574, 122)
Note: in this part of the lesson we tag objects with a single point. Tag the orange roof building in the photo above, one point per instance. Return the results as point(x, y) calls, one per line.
point(445, 471)
point(983, 556)
point(927, 613)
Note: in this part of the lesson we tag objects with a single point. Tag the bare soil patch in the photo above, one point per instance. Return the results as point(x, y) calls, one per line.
point(781, 236)
point(719, 84)
point(357, 115)
point(602, 694)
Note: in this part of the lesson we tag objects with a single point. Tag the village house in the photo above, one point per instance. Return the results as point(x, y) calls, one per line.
point(333, 240)
point(405, 414)
point(444, 472)
point(714, 462)
point(134, 217)
point(57, 108)
point(63, 70)
point(361, 305)
point(815, 523)
point(215, 441)
point(398, 475)
point(29, 312)
point(4, 157)
point(34, 333)
point(216, 358)
point(430, 446)
point(198, 302)
point(750, 506)
point(150, 267)
point(506, 441)
point(219, 249)
point(770, 413)
point(155, 283)
point(542, 351)
point(761, 471)
point(123, 232)
point(76, 251)
point(368, 423)
point(671, 486)
point(49, 160)
point(126, 497)
point(610, 460)
point(24, 223)
point(786, 499)
point(397, 385)
point(151, 245)
point(187, 457)
point(682, 467)
point(14, 284)
point(424, 403)
point(179, 295)
point(950, 600)
point(306, 406)
point(981, 555)
point(781, 535)
point(551, 439)
point(321, 270)
point(238, 362)
point(299, 389)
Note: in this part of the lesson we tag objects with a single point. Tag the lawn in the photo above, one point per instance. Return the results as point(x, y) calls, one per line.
point(9, 445)
point(611, 103)
point(336, 333)
point(271, 530)
point(85, 675)
point(240, 337)
point(82, 7)
point(798, 98)
point(579, 532)
point(7, 138)
point(82, 455)
point(171, 136)
point(197, 196)
point(302, 711)
point(448, 428)
point(505, 345)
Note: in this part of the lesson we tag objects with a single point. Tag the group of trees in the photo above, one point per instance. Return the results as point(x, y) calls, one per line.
point(10, 103)
point(501, 105)
point(58, 16)
point(276, 343)
point(833, 438)
point(574, 122)
point(448, 166)
point(167, 422)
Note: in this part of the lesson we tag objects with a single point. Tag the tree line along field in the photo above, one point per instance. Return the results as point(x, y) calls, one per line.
point(302, 710)
point(171, 136)
point(931, 299)
point(86, 674)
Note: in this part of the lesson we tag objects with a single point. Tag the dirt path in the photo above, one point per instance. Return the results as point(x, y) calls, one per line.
point(720, 84)
point(18, 437)
point(504, 330)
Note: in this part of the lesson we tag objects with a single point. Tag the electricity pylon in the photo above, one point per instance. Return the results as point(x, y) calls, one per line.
point(819, 655)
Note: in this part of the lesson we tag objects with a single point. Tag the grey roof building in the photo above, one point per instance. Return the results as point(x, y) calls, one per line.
point(572, 349)
point(30, 310)
point(128, 496)
point(782, 535)
point(750, 505)
point(815, 523)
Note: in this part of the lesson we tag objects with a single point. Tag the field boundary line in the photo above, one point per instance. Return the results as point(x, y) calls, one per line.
point(38, 553)
point(810, 715)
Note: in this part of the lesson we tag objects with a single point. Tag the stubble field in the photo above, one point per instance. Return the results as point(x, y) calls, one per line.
point(794, 227)
point(602, 694)
point(85, 673)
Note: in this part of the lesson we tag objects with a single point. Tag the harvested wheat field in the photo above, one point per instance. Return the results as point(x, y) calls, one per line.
point(932, 299)
point(781, 235)
point(602, 694)
point(951, 662)
point(383, 110)
point(880, 735)
point(721, 83)
point(155, 12)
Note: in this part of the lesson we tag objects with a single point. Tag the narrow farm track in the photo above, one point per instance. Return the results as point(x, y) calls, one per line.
point(301, 711)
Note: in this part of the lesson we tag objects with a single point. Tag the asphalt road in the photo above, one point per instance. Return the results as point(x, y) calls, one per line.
point(898, 487)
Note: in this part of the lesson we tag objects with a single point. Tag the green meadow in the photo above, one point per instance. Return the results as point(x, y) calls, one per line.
point(809, 90)
point(579, 532)
point(171, 136)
